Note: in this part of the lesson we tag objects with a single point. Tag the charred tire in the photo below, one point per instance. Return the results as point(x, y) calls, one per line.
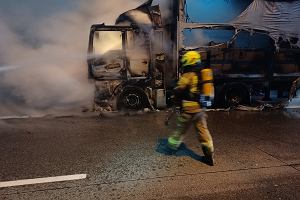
point(237, 95)
point(132, 98)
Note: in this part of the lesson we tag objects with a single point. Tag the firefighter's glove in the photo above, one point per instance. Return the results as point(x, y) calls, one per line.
point(178, 94)
point(205, 101)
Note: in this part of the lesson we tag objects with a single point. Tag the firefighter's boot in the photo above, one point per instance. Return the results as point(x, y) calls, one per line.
point(174, 142)
point(208, 156)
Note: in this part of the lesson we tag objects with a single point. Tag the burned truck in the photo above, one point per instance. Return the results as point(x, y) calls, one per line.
point(135, 63)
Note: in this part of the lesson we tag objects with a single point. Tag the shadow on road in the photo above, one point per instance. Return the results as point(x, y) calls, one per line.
point(183, 150)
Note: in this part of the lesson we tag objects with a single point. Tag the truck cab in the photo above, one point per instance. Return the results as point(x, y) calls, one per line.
point(127, 65)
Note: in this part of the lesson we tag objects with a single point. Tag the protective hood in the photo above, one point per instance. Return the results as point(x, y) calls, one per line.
point(280, 19)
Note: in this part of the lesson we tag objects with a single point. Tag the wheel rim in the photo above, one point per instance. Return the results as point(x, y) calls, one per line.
point(236, 96)
point(132, 100)
point(235, 100)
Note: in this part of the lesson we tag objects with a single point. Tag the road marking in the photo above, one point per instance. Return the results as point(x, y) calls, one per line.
point(14, 117)
point(42, 180)
point(20, 117)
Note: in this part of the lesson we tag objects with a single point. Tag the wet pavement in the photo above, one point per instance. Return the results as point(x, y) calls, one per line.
point(257, 155)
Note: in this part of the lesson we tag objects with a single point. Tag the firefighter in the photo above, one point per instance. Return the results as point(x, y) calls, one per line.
point(195, 91)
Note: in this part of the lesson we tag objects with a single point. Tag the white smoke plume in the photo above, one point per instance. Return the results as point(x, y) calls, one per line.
point(43, 47)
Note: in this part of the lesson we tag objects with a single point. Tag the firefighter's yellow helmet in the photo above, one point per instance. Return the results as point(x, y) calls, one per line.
point(190, 58)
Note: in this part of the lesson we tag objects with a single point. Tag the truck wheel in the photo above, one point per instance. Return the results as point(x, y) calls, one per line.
point(132, 98)
point(237, 95)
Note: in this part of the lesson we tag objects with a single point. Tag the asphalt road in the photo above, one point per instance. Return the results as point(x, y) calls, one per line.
point(257, 154)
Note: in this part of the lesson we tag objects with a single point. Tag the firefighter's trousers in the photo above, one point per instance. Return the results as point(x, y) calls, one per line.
point(199, 120)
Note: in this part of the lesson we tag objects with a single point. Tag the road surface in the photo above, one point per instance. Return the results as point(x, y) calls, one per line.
point(123, 157)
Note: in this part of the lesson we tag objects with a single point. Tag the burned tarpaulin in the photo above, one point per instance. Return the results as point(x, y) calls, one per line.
point(279, 19)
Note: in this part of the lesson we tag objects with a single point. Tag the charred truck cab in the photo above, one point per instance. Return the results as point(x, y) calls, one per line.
point(127, 65)
point(132, 63)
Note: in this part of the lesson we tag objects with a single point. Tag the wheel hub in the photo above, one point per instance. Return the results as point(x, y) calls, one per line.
point(132, 100)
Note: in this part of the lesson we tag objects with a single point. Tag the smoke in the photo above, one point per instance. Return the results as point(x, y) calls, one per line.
point(43, 47)
point(165, 6)
point(195, 38)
